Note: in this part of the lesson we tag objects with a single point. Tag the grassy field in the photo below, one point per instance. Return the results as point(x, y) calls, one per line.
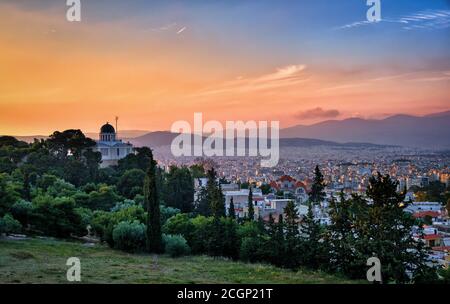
point(44, 261)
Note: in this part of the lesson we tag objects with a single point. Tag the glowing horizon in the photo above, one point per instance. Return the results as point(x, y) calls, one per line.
point(153, 64)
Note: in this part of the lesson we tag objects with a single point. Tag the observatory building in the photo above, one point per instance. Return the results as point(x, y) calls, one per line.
point(111, 148)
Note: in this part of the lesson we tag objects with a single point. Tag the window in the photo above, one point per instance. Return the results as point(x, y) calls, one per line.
point(118, 152)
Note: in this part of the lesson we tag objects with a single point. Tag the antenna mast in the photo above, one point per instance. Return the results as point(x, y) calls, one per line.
point(117, 130)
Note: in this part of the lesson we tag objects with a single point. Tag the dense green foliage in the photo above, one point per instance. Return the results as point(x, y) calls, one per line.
point(176, 245)
point(129, 236)
point(55, 187)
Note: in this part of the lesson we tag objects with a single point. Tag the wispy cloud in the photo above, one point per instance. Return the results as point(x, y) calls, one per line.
point(282, 77)
point(181, 30)
point(429, 19)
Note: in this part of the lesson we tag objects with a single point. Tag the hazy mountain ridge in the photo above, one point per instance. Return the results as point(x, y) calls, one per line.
point(430, 131)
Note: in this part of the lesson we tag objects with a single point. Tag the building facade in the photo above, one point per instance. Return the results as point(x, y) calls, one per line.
point(111, 148)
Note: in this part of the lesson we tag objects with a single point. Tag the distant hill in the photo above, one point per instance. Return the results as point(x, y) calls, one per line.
point(123, 134)
point(30, 138)
point(430, 131)
point(165, 138)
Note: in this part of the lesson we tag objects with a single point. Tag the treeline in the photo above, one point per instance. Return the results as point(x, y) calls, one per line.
point(55, 187)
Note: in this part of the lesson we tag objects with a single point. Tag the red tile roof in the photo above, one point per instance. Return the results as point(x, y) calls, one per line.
point(422, 214)
point(431, 237)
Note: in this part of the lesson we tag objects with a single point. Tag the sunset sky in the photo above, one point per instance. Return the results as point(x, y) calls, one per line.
point(155, 62)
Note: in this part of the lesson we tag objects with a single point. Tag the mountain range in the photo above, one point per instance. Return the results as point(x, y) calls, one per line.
point(429, 131)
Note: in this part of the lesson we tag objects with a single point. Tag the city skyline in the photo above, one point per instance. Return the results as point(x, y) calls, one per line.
point(153, 63)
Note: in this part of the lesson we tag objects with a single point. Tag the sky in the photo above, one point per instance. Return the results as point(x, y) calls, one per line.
point(155, 62)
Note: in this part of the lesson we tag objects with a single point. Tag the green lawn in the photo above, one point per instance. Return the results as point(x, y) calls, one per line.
point(44, 261)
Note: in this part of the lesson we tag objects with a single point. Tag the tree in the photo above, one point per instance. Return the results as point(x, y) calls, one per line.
point(386, 231)
point(179, 189)
point(197, 171)
point(231, 211)
point(292, 241)
point(342, 235)
point(313, 251)
point(214, 195)
point(131, 183)
point(73, 141)
point(201, 204)
point(275, 243)
point(265, 189)
point(251, 210)
point(317, 190)
point(138, 160)
point(151, 199)
point(9, 193)
point(26, 186)
point(231, 239)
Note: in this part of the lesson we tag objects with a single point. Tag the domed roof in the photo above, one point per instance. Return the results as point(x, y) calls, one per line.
point(107, 128)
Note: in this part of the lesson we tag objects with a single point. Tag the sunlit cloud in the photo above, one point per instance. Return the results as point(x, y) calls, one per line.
point(181, 30)
point(282, 77)
point(317, 113)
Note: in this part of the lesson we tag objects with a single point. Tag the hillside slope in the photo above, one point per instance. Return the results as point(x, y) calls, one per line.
point(43, 261)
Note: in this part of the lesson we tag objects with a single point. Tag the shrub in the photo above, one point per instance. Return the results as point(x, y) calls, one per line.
point(21, 210)
point(176, 245)
point(129, 236)
point(9, 225)
point(167, 213)
point(180, 224)
point(252, 249)
point(56, 216)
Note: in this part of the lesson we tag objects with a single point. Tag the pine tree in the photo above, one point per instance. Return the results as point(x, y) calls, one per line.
point(317, 190)
point(151, 199)
point(386, 230)
point(231, 211)
point(313, 251)
point(251, 210)
point(292, 240)
point(342, 235)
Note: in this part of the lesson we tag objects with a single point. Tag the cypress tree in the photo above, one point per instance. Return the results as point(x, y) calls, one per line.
point(251, 210)
point(151, 200)
point(231, 211)
point(317, 190)
point(214, 195)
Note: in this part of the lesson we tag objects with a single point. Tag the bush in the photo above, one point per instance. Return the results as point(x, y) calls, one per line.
point(56, 216)
point(252, 249)
point(9, 225)
point(129, 236)
point(176, 245)
point(180, 224)
point(21, 210)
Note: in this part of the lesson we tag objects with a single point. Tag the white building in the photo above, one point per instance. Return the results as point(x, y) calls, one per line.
point(111, 148)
